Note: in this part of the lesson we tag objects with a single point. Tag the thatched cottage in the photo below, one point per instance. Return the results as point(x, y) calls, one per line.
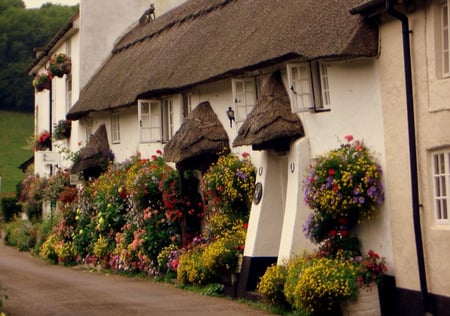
point(298, 75)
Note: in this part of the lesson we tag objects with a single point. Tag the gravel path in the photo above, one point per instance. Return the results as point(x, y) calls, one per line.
point(35, 287)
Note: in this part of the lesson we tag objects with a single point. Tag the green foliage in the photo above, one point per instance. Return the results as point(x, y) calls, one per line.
point(21, 30)
point(213, 289)
point(10, 207)
point(14, 130)
point(20, 234)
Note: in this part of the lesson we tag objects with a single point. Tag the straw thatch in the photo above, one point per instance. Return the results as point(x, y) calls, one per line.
point(271, 124)
point(206, 40)
point(90, 156)
point(199, 141)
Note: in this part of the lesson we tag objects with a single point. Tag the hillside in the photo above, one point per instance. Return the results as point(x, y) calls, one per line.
point(15, 129)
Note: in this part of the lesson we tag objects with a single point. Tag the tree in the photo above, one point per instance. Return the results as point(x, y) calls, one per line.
point(22, 30)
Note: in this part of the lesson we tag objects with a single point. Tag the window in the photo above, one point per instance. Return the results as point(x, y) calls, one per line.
point(68, 92)
point(244, 97)
point(167, 119)
point(149, 120)
point(115, 128)
point(155, 120)
point(441, 185)
point(187, 104)
point(445, 38)
point(308, 84)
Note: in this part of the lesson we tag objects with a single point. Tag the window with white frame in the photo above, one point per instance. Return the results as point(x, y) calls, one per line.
point(155, 120)
point(308, 85)
point(441, 185)
point(167, 119)
point(187, 104)
point(244, 97)
point(68, 92)
point(115, 128)
point(149, 112)
point(445, 37)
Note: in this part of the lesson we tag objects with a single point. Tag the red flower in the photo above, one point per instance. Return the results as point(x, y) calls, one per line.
point(344, 233)
point(349, 138)
point(333, 232)
point(331, 172)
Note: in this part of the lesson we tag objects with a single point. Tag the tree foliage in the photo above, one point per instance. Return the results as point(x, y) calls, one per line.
point(21, 31)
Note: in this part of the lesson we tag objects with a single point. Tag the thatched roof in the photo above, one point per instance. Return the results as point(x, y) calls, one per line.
point(205, 40)
point(271, 124)
point(95, 150)
point(199, 141)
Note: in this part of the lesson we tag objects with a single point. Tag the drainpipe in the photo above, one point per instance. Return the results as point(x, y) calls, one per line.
point(412, 153)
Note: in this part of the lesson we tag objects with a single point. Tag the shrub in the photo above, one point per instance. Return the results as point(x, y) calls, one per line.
point(324, 284)
point(191, 268)
point(10, 208)
point(18, 233)
point(271, 285)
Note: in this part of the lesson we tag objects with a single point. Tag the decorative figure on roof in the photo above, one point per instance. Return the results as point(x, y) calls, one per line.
point(148, 15)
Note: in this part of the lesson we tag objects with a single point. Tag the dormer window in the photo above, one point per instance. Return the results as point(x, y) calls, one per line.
point(308, 85)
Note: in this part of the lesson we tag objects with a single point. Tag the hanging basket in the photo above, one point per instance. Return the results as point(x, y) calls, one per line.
point(60, 65)
point(42, 82)
point(367, 303)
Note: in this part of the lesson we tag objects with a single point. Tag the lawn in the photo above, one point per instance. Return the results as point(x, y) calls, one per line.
point(15, 129)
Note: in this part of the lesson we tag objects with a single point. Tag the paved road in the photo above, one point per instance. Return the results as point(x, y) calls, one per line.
point(37, 288)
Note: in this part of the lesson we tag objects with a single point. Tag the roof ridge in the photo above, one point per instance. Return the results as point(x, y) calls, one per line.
point(191, 16)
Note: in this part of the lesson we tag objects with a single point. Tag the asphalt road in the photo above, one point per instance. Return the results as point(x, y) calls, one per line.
point(35, 287)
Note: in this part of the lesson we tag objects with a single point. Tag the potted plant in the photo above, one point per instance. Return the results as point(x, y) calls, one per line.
point(59, 65)
point(62, 129)
point(42, 141)
point(42, 81)
point(370, 269)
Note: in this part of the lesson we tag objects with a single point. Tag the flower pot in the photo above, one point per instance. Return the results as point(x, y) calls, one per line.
point(367, 303)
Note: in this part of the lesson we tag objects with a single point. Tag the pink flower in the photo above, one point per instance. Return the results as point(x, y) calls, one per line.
point(349, 138)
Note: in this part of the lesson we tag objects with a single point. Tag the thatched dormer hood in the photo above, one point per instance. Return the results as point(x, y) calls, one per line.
point(199, 141)
point(271, 124)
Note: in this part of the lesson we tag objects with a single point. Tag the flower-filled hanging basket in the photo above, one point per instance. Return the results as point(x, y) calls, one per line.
point(42, 81)
point(43, 141)
point(62, 129)
point(60, 64)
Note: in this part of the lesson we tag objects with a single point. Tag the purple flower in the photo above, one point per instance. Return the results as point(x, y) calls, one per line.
point(372, 191)
point(241, 175)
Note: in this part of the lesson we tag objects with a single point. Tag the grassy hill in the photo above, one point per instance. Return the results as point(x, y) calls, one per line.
point(15, 129)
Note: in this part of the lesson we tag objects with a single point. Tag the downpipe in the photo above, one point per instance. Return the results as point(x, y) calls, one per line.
point(413, 155)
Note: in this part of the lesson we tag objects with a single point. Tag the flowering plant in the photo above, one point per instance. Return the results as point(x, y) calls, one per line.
point(345, 182)
point(230, 183)
point(62, 129)
point(42, 141)
point(42, 81)
point(60, 64)
point(323, 284)
point(370, 268)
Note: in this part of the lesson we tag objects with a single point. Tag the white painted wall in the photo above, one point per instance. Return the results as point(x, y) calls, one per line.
point(103, 22)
